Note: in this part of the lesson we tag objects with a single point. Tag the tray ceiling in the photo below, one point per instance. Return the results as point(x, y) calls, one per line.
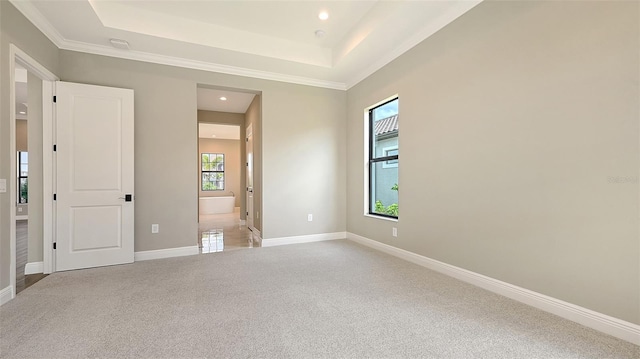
point(273, 40)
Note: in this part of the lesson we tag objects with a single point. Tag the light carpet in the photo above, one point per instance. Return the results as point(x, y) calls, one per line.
point(333, 299)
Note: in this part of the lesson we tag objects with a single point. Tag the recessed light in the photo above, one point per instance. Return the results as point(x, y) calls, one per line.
point(323, 15)
point(320, 33)
point(213, 135)
point(223, 98)
point(23, 113)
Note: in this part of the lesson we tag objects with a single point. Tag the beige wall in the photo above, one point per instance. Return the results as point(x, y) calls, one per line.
point(254, 118)
point(232, 161)
point(22, 142)
point(36, 204)
point(166, 137)
point(14, 28)
point(228, 118)
point(516, 122)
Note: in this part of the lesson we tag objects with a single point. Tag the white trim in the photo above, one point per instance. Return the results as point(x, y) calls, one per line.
point(390, 219)
point(33, 66)
point(33, 268)
point(12, 172)
point(22, 218)
point(166, 253)
point(270, 242)
point(613, 326)
point(47, 174)
point(6, 294)
point(198, 65)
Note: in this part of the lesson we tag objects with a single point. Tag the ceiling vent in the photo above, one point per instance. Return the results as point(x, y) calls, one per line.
point(119, 44)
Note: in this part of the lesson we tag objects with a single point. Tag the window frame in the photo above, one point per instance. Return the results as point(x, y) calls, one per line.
point(203, 171)
point(372, 160)
point(21, 177)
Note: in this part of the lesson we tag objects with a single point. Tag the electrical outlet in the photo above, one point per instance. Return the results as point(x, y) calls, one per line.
point(257, 214)
point(19, 209)
point(309, 217)
point(394, 232)
point(3, 185)
point(155, 228)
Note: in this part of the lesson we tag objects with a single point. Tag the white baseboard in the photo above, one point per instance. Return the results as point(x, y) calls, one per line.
point(6, 295)
point(166, 253)
point(587, 317)
point(22, 218)
point(33, 268)
point(270, 242)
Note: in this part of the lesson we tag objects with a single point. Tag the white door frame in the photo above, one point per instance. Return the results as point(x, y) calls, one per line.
point(48, 79)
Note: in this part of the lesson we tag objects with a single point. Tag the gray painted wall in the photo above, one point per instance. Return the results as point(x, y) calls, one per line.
point(253, 117)
point(517, 119)
point(36, 202)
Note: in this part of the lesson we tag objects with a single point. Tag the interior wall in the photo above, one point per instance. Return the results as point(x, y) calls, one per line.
point(228, 118)
point(35, 224)
point(518, 149)
point(22, 142)
point(253, 117)
point(232, 160)
point(16, 29)
point(166, 129)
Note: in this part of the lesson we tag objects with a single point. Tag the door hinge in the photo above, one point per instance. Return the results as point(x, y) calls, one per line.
point(54, 197)
point(55, 99)
point(55, 148)
point(247, 213)
point(54, 245)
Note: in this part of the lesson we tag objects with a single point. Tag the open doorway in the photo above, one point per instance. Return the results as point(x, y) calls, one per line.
point(30, 128)
point(224, 206)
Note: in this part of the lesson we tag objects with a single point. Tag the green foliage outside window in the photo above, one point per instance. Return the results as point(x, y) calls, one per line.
point(391, 209)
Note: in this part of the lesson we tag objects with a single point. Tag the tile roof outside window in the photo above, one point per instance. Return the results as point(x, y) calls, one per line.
point(386, 125)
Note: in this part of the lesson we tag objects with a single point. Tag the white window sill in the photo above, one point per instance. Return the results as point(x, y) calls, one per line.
point(381, 217)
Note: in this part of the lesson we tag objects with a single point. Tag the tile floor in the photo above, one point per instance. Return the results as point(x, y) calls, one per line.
point(224, 232)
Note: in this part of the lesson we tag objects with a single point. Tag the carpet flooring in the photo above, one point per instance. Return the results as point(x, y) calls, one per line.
point(333, 299)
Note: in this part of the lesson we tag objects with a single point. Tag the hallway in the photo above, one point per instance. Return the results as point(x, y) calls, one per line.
point(224, 232)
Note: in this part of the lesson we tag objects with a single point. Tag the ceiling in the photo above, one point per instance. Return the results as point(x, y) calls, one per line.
point(20, 82)
point(236, 102)
point(266, 39)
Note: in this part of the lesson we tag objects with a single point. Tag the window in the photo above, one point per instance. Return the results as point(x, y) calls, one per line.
point(23, 173)
point(390, 151)
point(212, 165)
point(383, 159)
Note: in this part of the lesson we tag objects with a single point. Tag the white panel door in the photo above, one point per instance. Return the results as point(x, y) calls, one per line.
point(94, 176)
point(249, 151)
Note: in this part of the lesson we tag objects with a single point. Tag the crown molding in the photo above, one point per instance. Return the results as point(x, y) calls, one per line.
point(40, 22)
point(197, 65)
